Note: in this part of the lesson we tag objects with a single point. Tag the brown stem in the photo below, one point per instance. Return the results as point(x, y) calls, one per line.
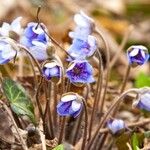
point(78, 123)
point(97, 94)
point(47, 90)
point(55, 104)
point(86, 126)
point(37, 98)
point(125, 79)
point(119, 99)
point(62, 130)
point(107, 64)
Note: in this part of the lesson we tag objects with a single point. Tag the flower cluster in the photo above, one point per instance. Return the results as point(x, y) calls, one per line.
point(70, 105)
point(33, 37)
point(83, 46)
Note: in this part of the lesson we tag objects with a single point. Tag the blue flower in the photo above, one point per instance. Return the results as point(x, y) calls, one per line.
point(83, 48)
point(143, 101)
point(36, 40)
point(52, 71)
point(137, 55)
point(115, 125)
point(80, 71)
point(85, 26)
point(7, 52)
point(14, 28)
point(70, 105)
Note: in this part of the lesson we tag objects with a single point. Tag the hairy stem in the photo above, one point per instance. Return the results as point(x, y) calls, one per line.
point(107, 65)
point(97, 94)
point(86, 126)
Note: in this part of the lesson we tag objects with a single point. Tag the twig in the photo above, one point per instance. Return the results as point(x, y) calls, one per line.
point(119, 99)
point(130, 125)
point(23, 143)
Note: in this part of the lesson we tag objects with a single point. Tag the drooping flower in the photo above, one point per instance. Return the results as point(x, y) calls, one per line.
point(85, 26)
point(52, 71)
point(70, 105)
point(80, 71)
point(36, 40)
point(12, 30)
point(137, 55)
point(7, 52)
point(83, 48)
point(115, 125)
point(143, 101)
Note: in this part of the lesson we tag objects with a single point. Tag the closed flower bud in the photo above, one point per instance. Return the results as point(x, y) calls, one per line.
point(70, 105)
point(116, 125)
point(52, 71)
point(137, 55)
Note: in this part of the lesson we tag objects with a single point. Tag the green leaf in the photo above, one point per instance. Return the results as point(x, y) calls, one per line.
point(19, 100)
point(137, 140)
point(142, 80)
point(59, 147)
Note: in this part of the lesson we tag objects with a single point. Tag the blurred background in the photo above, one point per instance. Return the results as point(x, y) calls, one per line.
point(115, 17)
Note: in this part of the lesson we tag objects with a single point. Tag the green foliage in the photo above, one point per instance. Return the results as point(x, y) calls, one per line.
point(142, 80)
point(137, 140)
point(59, 147)
point(19, 100)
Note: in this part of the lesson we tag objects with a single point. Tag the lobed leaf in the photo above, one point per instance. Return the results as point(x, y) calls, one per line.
point(19, 101)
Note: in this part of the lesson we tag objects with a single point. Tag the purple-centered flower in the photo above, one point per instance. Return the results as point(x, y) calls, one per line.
point(83, 48)
point(52, 71)
point(137, 55)
point(70, 105)
point(7, 52)
point(36, 40)
point(143, 101)
point(14, 28)
point(115, 125)
point(80, 71)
